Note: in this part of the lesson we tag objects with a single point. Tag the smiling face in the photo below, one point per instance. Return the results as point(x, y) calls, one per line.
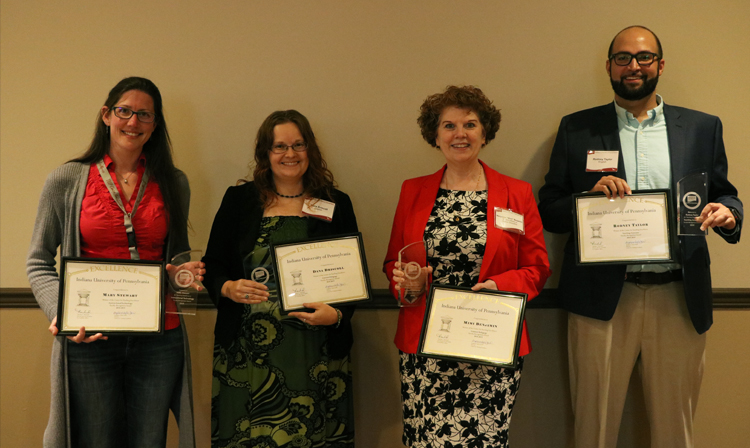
point(460, 135)
point(634, 82)
point(129, 135)
point(290, 166)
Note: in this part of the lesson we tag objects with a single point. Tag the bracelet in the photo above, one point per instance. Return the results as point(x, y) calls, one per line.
point(338, 313)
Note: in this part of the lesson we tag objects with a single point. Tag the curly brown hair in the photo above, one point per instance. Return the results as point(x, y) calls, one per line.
point(463, 97)
point(317, 181)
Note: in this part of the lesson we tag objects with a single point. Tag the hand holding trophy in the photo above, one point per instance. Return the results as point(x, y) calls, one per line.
point(185, 276)
point(692, 196)
point(412, 275)
point(258, 267)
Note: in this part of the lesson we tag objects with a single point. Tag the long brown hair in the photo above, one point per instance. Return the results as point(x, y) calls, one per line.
point(317, 181)
point(158, 148)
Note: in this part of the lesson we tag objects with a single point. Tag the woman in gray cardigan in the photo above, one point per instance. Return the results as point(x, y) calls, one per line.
point(116, 391)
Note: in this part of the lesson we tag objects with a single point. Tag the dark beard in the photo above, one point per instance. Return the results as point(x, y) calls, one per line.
point(646, 89)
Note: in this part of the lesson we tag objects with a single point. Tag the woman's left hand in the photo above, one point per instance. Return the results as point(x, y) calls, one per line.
point(324, 314)
point(195, 267)
point(489, 284)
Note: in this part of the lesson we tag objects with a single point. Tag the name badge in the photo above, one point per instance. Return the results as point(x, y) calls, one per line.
point(509, 221)
point(602, 161)
point(318, 208)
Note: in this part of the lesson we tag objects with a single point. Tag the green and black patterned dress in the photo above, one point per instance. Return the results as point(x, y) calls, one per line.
point(275, 385)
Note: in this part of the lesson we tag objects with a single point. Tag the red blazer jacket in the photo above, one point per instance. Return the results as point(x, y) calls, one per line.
point(516, 263)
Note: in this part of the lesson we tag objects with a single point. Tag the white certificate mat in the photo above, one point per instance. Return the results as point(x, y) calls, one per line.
point(331, 270)
point(110, 296)
point(482, 327)
point(632, 230)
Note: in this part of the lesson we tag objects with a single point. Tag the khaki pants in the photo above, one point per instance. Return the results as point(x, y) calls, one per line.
point(651, 327)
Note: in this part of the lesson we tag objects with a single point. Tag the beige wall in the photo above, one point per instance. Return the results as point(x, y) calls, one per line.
point(541, 419)
point(359, 71)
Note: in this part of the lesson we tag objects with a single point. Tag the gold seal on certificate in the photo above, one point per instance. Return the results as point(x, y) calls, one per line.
point(184, 286)
point(331, 270)
point(481, 327)
point(633, 230)
point(413, 261)
point(110, 296)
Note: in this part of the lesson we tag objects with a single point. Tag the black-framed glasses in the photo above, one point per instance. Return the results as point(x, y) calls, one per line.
point(143, 116)
point(280, 148)
point(643, 58)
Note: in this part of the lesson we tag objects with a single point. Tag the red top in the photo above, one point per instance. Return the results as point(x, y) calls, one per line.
point(103, 229)
point(517, 263)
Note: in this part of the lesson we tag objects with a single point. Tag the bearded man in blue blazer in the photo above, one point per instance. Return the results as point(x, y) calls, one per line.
point(651, 315)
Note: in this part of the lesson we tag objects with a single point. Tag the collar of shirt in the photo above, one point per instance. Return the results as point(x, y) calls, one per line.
point(655, 115)
point(109, 163)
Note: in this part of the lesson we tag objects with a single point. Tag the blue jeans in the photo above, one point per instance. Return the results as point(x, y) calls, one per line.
point(120, 389)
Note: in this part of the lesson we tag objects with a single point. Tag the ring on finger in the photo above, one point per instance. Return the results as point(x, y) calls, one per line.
point(247, 296)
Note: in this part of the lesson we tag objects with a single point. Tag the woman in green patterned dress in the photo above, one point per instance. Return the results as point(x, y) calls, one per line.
point(278, 381)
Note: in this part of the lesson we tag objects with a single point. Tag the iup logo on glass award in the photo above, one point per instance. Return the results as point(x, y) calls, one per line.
point(691, 200)
point(260, 275)
point(692, 191)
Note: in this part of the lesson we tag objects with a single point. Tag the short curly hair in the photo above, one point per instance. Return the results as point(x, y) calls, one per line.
point(463, 97)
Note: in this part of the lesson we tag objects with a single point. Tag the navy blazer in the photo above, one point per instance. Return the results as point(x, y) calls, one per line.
point(695, 144)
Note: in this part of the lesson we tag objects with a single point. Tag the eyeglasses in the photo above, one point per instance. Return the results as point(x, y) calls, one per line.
point(143, 116)
point(643, 59)
point(281, 148)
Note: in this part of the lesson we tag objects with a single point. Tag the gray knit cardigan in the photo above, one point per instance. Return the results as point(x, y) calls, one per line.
point(57, 225)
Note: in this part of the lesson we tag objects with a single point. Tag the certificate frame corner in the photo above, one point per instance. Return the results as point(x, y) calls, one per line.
point(66, 261)
point(670, 230)
point(513, 364)
point(284, 308)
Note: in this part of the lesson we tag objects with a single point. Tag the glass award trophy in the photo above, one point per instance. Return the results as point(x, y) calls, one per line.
point(413, 261)
point(258, 267)
point(692, 196)
point(184, 286)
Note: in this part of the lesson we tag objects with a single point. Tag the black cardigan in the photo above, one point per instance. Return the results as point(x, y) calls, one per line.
point(233, 235)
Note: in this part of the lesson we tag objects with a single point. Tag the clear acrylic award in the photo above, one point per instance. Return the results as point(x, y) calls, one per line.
point(692, 197)
point(184, 286)
point(413, 261)
point(258, 267)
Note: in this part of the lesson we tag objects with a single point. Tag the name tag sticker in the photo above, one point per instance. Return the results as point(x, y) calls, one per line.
point(602, 161)
point(318, 208)
point(509, 221)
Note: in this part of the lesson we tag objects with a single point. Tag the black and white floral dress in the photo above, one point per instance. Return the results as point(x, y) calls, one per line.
point(450, 404)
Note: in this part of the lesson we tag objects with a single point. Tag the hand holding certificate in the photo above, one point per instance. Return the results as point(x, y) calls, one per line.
point(633, 229)
point(482, 327)
point(331, 270)
point(110, 296)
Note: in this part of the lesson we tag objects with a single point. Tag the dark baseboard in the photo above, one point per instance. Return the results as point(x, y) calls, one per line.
point(724, 298)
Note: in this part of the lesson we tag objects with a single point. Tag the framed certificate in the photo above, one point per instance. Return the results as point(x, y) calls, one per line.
point(482, 327)
point(633, 230)
point(110, 296)
point(330, 270)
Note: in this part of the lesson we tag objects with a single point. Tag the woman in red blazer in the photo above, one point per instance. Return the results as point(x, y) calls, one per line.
point(453, 211)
